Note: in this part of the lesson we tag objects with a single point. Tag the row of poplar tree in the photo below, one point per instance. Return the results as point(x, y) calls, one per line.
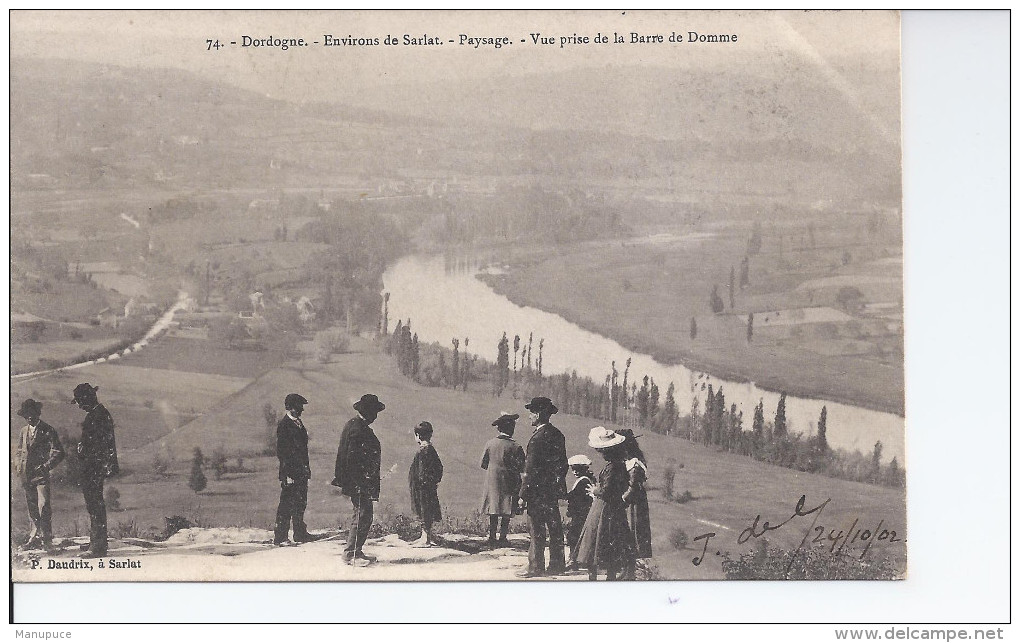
point(618, 399)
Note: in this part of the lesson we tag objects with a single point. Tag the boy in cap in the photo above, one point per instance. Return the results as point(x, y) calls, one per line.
point(38, 452)
point(357, 473)
point(423, 481)
point(98, 452)
point(292, 450)
point(578, 502)
point(503, 461)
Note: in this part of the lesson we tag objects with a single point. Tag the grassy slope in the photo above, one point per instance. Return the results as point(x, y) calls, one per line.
point(647, 295)
point(729, 489)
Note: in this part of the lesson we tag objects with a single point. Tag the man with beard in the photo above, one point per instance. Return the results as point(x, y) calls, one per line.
point(544, 483)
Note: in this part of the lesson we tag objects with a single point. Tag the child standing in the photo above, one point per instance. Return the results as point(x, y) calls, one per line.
point(503, 461)
point(423, 479)
point(578, 502)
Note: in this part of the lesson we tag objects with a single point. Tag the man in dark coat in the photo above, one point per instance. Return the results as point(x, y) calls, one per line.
point(358, 463)
point(544, 483)
point(292, 450)
point(98, 452)
point(38, 452)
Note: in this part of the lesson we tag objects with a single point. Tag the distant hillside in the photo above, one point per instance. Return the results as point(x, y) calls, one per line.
point(82, 125)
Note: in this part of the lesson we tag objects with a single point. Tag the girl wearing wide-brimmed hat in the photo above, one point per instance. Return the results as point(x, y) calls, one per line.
point(606, 539)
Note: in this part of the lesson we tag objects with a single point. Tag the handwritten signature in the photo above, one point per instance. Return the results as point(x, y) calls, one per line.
point(837, 541)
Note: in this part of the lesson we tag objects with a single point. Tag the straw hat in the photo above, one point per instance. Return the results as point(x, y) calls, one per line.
point(602, 438)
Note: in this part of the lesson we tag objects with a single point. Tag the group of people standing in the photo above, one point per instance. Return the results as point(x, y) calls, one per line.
point(39, 451)
point(608, 525)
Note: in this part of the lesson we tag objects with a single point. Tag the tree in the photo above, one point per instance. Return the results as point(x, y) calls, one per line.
point(716, 301)
point(694, 329)
point(876, 463)
point(732, 285)
point(385, 328)
point(653, 400)
point(270, 418)
point(758, 423)
point(745, 273)
point(823, 442)
point(517, 347)
point(750, 327)
point(780, 424)
point(530, 337)
point(228, 331)
point(641, 401)
point(754, 243)
point(669, 414)
point(455, 368)
point(502, 365)
point(625, 388)
point(541, 344)
point(895, 475)
point(197, 480)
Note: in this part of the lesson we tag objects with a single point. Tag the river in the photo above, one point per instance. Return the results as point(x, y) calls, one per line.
point(445, 300)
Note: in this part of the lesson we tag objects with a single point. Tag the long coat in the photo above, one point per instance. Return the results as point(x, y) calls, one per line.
point(38, 452)
point(98, 446)
point(292, 449)
point(503, 461)
point(606, 539)
point(637, 508)
point(423, 479)
point(358, 460)
point(545, 467)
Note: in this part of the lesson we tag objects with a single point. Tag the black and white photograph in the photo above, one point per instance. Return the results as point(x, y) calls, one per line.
point(457, 296)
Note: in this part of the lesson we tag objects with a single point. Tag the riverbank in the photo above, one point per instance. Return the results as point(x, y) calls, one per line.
point(647, 295)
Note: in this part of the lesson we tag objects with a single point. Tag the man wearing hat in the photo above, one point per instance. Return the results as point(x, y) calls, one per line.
point(503, 461)
point(544, 483)
point(98, 452)
point(358, 461)
point(292, 450)
point(38, 452)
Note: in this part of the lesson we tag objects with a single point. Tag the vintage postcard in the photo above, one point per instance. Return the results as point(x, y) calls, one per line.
point(404, 296)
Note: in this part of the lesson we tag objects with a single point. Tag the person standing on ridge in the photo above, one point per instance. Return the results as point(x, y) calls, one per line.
point(357, 473)
point(544, 483)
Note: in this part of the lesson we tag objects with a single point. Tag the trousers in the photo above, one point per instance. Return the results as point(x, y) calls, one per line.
point(293, 500)
point(95, 504)
point(544, 521)
point(361, 522)
point(39, 510)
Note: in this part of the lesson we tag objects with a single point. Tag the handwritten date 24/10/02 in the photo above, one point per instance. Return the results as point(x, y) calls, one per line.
point(836, 539)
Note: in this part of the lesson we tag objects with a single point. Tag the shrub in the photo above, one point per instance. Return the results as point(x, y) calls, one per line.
point(668, 478)
point(126, 529)
point(113, 499)
point(678, 538)
point(685, 497)
point(218, 463)
point(161, 462)
point(175, 524)
point(764, 562)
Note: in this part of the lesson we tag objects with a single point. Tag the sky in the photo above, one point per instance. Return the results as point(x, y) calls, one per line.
point(831, 41)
